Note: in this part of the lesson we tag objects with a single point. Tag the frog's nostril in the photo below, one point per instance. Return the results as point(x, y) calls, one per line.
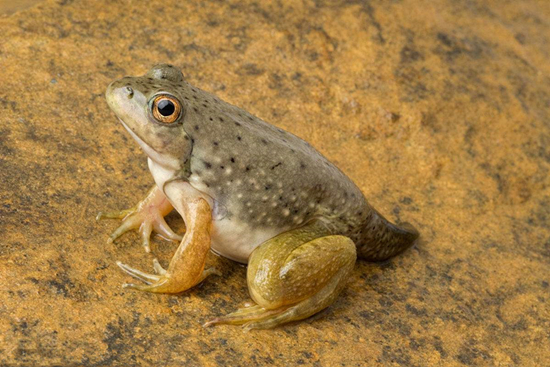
point(129, 92)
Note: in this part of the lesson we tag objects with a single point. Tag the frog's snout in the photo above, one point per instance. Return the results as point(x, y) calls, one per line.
point(118, 93)
point(122, 85)
point(111, 88)
point(129, 92)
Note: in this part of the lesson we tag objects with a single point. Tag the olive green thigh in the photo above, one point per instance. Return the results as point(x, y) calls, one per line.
point(293, 276)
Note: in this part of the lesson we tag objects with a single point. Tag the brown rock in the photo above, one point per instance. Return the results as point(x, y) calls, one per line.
point(439, 110)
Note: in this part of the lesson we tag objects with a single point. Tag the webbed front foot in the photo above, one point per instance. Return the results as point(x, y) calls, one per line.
point(147, 215)
point(293, 276)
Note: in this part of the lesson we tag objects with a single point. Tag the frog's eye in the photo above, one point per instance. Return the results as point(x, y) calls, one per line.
point(166, 109)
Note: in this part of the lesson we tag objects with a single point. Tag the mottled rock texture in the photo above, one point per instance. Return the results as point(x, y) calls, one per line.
point(438, 109)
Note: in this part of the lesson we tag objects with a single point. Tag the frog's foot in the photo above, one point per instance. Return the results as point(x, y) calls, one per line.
point(294, 276)
point(245, 316)
point(147, 215)
point(186, 268)
point(159, 282)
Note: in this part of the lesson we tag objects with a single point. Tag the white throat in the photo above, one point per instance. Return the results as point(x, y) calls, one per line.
point(169, 162)
point(160, 173)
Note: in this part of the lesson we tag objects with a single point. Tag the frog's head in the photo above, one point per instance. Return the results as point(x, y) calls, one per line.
point(151, 110)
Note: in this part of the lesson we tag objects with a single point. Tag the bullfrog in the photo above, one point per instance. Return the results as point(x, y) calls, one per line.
point(248, 191)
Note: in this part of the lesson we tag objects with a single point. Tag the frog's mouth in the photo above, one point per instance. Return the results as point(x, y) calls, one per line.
point(163, 160)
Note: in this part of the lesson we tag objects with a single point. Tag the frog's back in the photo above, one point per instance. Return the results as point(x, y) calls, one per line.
point(265, 180)
point(253, 168)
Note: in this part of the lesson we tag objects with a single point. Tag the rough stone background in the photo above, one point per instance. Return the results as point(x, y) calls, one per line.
point(438, 109)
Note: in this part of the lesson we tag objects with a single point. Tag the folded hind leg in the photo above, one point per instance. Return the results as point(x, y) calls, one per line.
point(293, 276)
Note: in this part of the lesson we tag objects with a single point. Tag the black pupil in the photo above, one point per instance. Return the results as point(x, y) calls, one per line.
point(166, 107)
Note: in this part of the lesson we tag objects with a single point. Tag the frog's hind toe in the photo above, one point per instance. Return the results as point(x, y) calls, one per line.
point(138, 274)
point(246, 316)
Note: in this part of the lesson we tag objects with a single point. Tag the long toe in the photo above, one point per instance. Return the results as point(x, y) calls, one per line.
point(138, 274)
point(164, 230)
point(128, 224)
point(120, 214)
point(145, 231)
point(244, 316)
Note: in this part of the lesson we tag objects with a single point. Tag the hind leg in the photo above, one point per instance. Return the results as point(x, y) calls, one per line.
point(294, 276)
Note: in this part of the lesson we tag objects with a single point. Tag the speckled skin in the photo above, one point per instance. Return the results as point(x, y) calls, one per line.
point(260, 178)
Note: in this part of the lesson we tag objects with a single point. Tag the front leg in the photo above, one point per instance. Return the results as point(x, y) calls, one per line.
point(186, 268)
point(147, 215)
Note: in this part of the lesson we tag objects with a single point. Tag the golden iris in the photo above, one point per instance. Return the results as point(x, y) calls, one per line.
point(166, 109)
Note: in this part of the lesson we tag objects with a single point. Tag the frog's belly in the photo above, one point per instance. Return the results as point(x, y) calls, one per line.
point(236, 240)
point(231, 238)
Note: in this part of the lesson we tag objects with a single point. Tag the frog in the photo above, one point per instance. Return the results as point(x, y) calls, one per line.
point(248, 191)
